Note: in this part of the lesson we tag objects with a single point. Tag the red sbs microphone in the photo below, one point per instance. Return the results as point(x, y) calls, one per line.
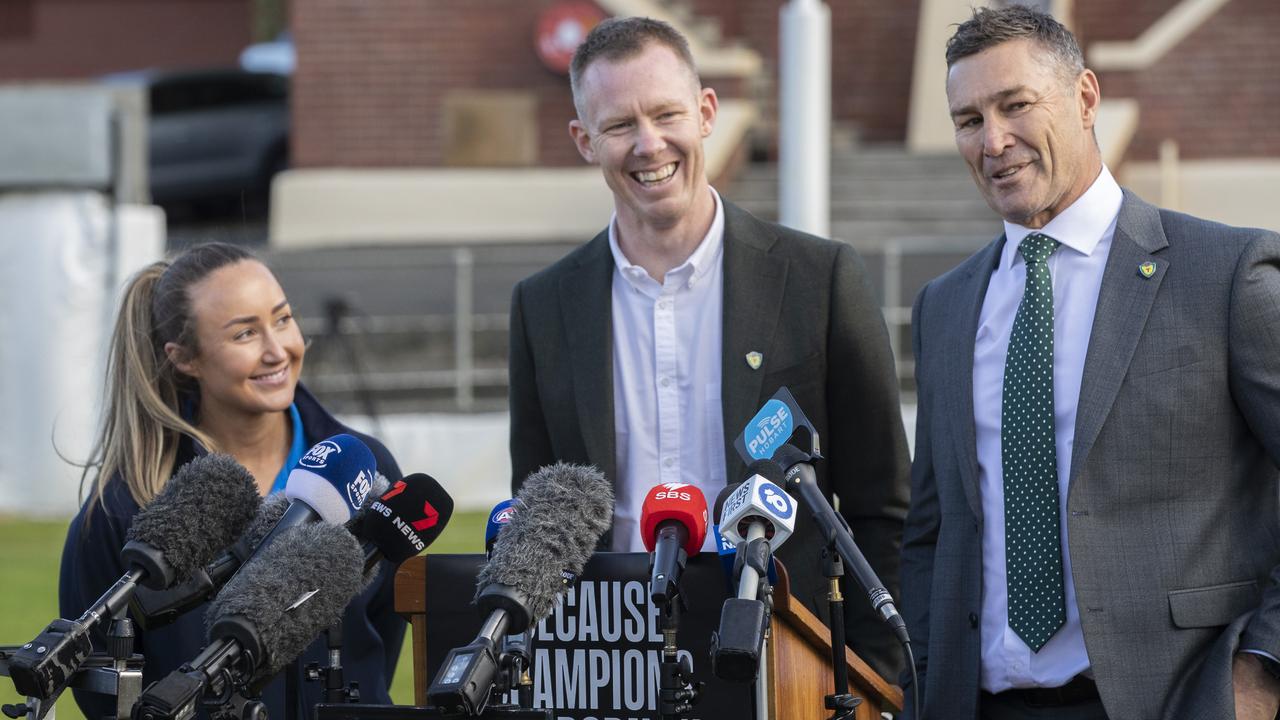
point(673, 524)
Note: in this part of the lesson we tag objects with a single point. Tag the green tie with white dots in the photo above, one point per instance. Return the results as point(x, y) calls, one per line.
point(1029, 457)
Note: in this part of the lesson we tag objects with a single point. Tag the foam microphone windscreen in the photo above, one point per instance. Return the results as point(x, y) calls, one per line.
point(291, 591)
point(333, 477)
point(273, 508)
point(718, 509)
point(203, 508)
point(564, 509)
point(407, 518)
point(768, 469)
point(380, 485)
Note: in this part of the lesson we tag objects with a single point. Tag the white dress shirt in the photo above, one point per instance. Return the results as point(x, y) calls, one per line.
point(1085, 231)
point(667, 419)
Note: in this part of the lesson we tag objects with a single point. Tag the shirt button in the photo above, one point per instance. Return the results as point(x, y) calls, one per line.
point(666, 382)
point(669, 462)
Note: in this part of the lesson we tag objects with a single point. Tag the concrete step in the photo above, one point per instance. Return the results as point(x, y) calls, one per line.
point(943, 187)
point(858, 208)
point(858, 165)
point(880, 232)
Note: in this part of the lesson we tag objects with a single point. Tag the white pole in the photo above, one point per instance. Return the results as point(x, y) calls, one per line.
point(762, 683)
point(804, 117)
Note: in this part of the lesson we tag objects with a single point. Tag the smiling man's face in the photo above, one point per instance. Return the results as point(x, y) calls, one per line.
point(1025, 130)
point(643, 120)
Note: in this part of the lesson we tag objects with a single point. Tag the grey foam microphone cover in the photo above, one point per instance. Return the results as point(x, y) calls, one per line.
point(273, 508)
point(292, 590)
point(203, 508)
point(563, 511)
point(275, 505)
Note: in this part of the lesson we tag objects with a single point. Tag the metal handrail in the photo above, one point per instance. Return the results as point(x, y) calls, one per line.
point(465, 323)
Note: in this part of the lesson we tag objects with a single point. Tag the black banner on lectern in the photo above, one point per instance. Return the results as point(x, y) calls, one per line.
point(596, 657)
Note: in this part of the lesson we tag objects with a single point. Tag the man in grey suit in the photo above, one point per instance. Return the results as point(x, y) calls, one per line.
point(648, 349)
point(1093, 528)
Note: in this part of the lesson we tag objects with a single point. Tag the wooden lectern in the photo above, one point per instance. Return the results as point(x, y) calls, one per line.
point(798, 654)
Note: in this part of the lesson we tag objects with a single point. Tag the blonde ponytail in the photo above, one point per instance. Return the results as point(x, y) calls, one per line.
point(142, 422)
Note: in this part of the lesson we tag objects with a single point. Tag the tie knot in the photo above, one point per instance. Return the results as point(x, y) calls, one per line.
point(1037, 247)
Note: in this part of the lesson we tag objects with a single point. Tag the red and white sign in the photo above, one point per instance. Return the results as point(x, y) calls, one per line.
point(561, 29)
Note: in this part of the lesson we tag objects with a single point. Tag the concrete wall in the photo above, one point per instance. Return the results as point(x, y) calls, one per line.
point(1236, 192)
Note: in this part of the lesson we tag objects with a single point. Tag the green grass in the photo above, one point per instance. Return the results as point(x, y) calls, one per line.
point(31, 550)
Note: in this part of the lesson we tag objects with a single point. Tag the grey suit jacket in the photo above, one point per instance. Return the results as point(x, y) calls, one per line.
point(1172, 501)
point(807, 305)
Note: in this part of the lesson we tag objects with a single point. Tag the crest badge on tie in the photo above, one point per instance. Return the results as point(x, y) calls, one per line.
point(754, 360)
point(1147, 269)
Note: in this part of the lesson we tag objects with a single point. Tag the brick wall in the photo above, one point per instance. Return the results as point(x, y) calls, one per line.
point(65, 39)
point(1217, 93)
point(872, 48)
point(1099, 20)
point(371, 77)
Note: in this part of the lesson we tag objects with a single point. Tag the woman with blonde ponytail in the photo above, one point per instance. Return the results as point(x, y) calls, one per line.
point(206, 357)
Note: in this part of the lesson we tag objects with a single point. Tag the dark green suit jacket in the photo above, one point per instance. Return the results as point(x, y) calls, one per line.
point(808, 306)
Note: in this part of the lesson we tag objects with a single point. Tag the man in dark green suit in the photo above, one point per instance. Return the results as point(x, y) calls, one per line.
point(647, 350)
point(1094, 530)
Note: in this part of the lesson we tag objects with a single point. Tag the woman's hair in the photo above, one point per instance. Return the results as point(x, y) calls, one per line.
point(142, 420)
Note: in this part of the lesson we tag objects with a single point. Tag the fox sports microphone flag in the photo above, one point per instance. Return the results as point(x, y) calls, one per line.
point(333, 477)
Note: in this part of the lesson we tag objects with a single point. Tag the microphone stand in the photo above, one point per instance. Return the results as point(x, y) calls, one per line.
point(117, 674)
point(514, 662)
point(335, 689)
point(677, 694)
point(841, 701)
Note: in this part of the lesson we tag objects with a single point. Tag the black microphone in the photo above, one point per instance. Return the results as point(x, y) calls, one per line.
point(563, 511)
point(518, 648)
point(199, 511)
point(673, 525)
point(403, 521)
point(499, 516)
point(757, 516)
point(801, 479)
point(265, 616)
point(154, 609)
point(330, 482)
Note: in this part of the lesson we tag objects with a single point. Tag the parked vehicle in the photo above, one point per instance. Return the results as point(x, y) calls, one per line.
point(214, 134)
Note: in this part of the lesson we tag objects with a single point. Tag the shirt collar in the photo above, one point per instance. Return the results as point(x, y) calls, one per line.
point(1081, 226)
point(704, 258)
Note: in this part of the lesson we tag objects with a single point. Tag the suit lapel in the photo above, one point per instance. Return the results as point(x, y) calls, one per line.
point(586, 303)
point(958, 351)
point(754, 282)
point(1124, 303)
